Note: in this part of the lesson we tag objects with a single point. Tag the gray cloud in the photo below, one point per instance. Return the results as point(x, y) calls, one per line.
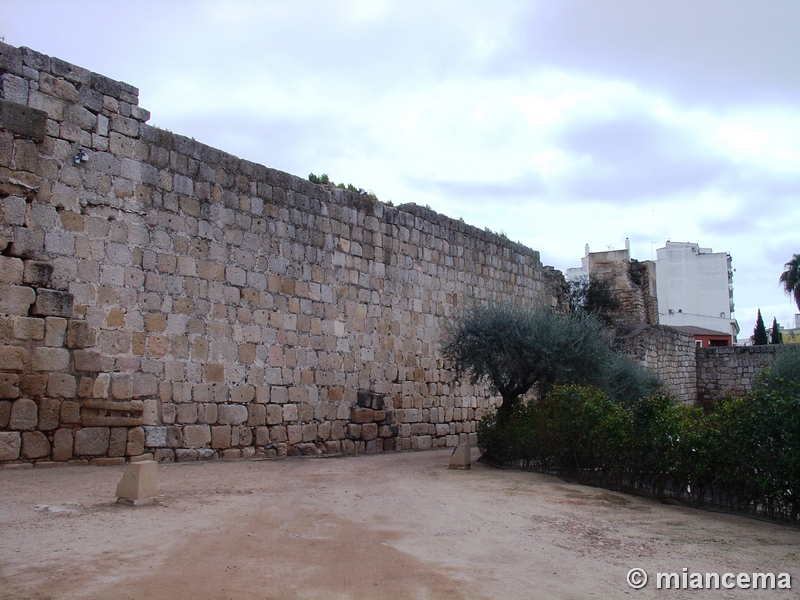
point(636, 158)
point(523, 187)
point(716, 52)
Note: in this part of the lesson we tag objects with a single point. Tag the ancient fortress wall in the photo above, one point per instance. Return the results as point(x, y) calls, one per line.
point(165, 299)
point(667, 352)
point(730, 370)
point(690, 374)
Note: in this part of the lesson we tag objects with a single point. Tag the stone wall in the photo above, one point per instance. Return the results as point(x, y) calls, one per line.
point(729, 370)
point(667, 352)
point(161, 298)
point(632, 283)
point(691, 374)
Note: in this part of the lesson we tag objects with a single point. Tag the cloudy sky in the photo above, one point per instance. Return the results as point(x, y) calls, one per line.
point(559, 123)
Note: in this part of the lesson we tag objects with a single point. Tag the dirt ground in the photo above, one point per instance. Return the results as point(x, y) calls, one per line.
point(399, 526)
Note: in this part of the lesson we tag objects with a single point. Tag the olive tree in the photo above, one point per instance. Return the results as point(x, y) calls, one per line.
point(513, 348)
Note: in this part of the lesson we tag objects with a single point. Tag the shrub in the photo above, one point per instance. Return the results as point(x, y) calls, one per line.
point(784, 373)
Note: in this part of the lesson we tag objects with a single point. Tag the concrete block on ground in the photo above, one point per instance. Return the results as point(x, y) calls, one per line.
point(460, 459)
point(139, 483)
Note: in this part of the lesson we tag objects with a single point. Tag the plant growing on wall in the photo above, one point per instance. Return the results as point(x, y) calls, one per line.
point(594, 296)
point(760, 332)
point(325, 180)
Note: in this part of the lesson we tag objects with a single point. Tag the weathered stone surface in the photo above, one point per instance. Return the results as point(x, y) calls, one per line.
point(221, 437)
point(88, 360)
point(9, 389)
point(24, 415)
point(112, 413)
point(23, 120)
point(117, 441)
point(5, 413)
point(49, 411)
point(185, 455)
point(80, 334)
point(10, 445)
point(28, 328)
point(155, 437)
point(16, 300)
point(52, 303)
point(62, 444)
point(11, 269)
point(35, 445)
point(13, 358)
point(70, 411)
point(91, 441)
point(50, 359)
point(27, 243)
point(362, 415)
point(54, 330)
point(135, 444)
point(196, 436)
point(232, 414)
point(61, 385)
point(37, 273)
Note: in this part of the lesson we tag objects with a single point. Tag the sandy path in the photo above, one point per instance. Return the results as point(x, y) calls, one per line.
point(384, 526)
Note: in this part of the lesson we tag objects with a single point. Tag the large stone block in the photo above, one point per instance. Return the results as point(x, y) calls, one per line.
point(155, 437)
point(13, 358)
point(28, 328)
point(16, 299)
point(135, 441)
point(9, 388)
point(80, 334)
point(54, 330)
point(24, 415)
point(117, 441)
point(362, 415)
point(50, 359)
point(53, 303)
point(61, 385)
point(37, 273)
point(28, 243)
point(196, 436)
point(111, 413)
point(62, 444)
point(89, 360)
point(11, 269)
point(221, 437)
point(232, 414)
point(49, 411)
point(23, 120)
point(10, 445)
point(92, 441)
point(35, 445)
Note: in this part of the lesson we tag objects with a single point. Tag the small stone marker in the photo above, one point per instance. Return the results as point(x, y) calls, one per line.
point(139, 484)
point(460, 459)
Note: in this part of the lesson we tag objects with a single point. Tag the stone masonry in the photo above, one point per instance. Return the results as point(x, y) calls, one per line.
point(163, 299)
point(729, 370)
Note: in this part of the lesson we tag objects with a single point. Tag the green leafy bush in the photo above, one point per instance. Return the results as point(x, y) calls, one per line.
point(744, 455)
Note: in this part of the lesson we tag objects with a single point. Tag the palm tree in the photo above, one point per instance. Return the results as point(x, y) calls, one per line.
point(790, 279)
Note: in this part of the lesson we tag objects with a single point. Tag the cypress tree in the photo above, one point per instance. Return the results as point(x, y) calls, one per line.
point(760, 332)
point(775, 337)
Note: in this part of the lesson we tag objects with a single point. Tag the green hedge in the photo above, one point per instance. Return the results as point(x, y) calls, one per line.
point(743, 456)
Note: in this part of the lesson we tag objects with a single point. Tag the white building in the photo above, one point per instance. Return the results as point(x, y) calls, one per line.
point(694, 287)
